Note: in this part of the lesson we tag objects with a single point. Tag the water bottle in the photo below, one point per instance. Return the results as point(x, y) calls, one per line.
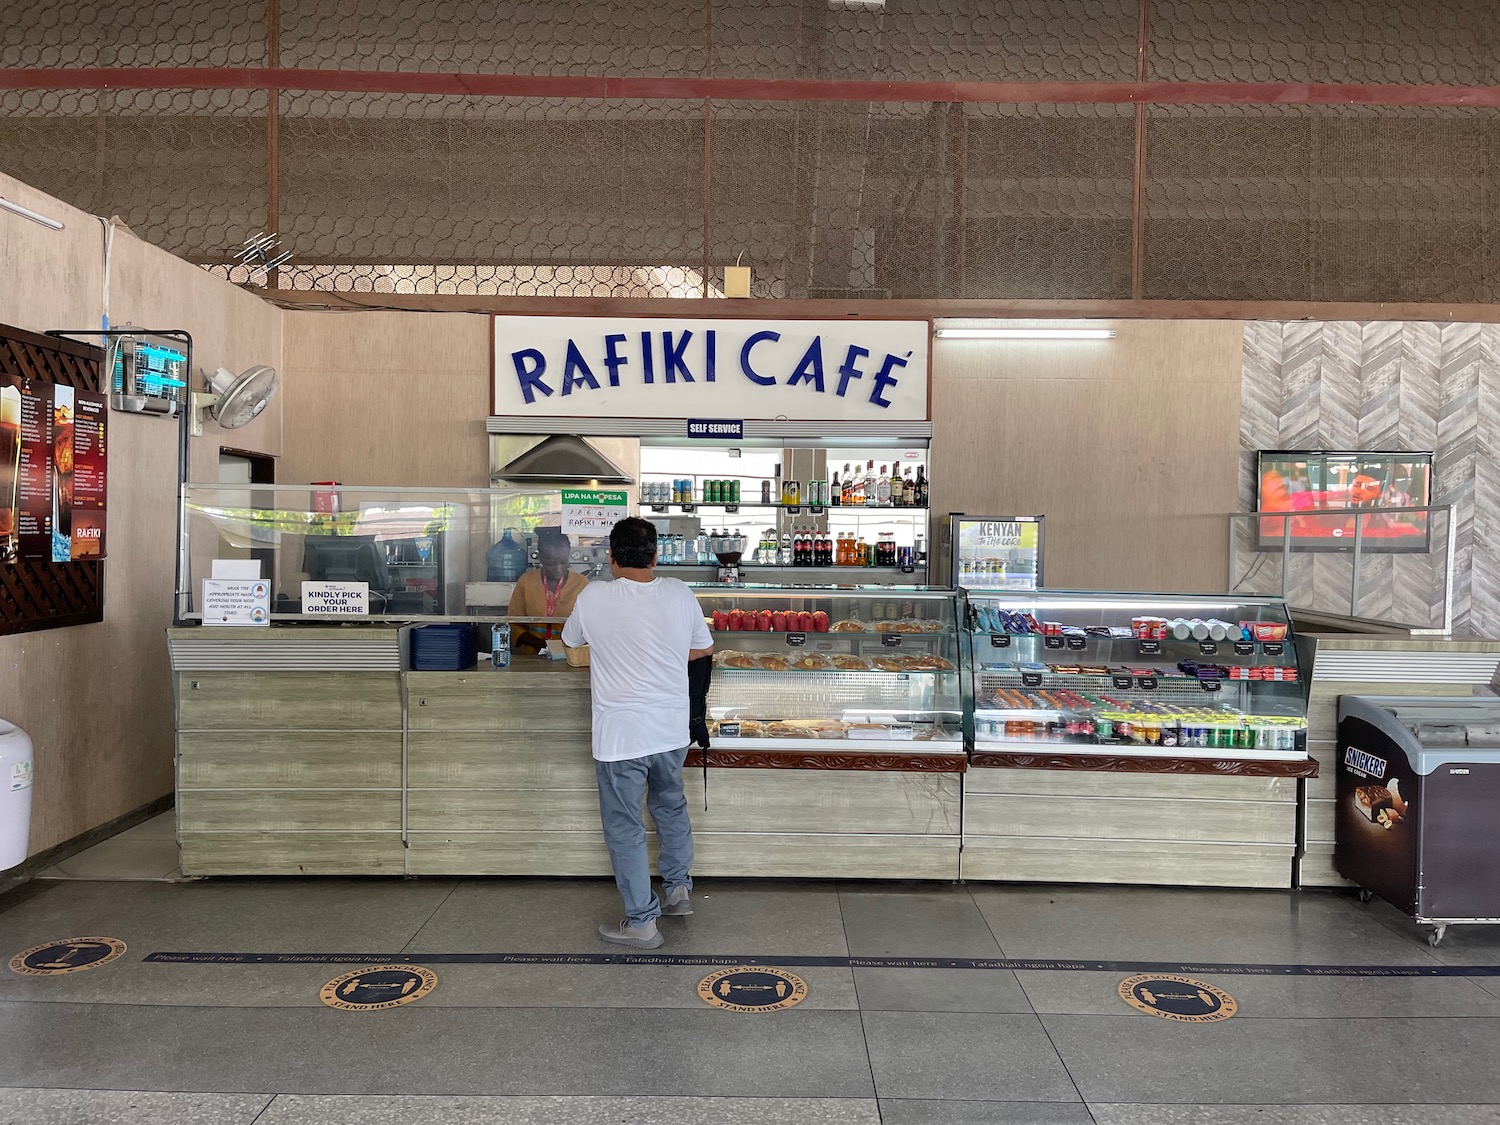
point(500, 647)
point(505, 561)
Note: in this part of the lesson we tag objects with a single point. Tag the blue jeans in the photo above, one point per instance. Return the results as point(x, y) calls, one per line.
point(656, 781)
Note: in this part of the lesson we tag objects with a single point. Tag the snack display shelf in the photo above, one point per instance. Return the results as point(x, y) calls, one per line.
point(1047, 744)
point(948, 745)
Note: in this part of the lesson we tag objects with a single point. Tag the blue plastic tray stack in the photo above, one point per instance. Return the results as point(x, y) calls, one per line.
point(444, 648)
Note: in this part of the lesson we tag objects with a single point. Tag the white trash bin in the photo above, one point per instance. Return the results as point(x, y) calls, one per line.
point(15, 794)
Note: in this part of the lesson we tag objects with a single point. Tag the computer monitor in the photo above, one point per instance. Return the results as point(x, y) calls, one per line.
point(345, 558)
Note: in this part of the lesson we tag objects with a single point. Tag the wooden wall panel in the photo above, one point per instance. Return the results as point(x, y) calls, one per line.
point(289, 759)
point(293, 853)
point(1129, 446)
point(388, 398)
point(789, 856)
point(97, 699)
point(208, 811)
point(1014, 858)
point(470, 760)
point(289, 701)
point(502, 702)
point(793, 801)
point(1111, 819)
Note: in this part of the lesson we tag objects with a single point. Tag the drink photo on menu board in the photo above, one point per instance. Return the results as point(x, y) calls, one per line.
point(62, 475)
point(10, 468)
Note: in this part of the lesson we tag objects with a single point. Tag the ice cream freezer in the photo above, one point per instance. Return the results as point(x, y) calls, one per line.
point(1418, 794)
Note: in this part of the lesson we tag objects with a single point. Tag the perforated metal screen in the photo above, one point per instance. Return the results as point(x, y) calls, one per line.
point(951, 179)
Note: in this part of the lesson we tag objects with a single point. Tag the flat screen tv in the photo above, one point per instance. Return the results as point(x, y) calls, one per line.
point(1318, 485)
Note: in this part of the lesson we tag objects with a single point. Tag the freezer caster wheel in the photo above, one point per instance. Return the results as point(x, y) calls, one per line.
point(1364, 895)
point(1435, 938)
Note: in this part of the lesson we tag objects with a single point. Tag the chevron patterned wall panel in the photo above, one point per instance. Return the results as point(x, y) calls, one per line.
point(1386, 385)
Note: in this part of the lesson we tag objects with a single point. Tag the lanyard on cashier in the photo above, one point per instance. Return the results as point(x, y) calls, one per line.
point(551, 596)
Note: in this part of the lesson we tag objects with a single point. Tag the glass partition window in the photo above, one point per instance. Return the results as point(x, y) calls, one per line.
point(422, 553)
point(834, 668)
point(1138, 673)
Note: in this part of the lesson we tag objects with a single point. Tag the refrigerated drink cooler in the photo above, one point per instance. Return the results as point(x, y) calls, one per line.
point(1418, 789)
point(990, 552)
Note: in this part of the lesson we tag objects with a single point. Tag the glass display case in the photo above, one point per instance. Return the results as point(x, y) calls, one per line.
point(844, 668)
point(1153, 675)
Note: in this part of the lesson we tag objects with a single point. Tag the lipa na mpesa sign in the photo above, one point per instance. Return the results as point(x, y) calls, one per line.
point(671, 368)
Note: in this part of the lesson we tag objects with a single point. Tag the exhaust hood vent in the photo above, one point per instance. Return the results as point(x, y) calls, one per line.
point(563, 457)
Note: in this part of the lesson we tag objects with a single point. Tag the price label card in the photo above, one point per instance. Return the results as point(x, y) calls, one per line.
point(1076, 643)
point(1272, 648)
point(731, 509)
point(796, 640)
point(1052, 642)
point(659, 508)
point(688, 509)
point(1208, 648)
point(1209, 685)
point(815, 510)
point(999, 640)
point(891, 640)
point(1150, 648)
point(1123, 683)
point(729, 730)
point(1146, 683)
point(1031, 679)
point(794, 509)
point(1244, 648)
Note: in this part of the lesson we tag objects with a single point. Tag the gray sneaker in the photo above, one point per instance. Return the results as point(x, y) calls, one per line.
point(676, 902)
point(644, 936)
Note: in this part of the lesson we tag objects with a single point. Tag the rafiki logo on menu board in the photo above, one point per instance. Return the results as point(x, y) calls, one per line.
point(605, 366)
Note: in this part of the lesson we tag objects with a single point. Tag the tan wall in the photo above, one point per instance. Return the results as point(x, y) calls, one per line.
point(1129, 447)
point(96, 699)
point(387, 398)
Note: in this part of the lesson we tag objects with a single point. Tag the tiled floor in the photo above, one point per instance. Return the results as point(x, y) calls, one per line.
point(147, 851)
point(137, 1042)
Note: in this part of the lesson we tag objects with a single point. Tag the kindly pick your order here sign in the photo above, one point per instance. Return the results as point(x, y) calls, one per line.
point(677, 368)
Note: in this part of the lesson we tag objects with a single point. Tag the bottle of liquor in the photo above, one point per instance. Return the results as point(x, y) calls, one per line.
point(883, 488)
point(835, 493)
point(848, 485)
point(896, 495)
point(859, 489)
point(870, 481)
point(908, 490)
point(922, 485)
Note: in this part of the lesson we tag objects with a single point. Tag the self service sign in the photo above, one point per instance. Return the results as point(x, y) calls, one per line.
point(555, 366)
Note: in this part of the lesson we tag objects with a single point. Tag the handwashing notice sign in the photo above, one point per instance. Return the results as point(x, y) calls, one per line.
point(336, 599)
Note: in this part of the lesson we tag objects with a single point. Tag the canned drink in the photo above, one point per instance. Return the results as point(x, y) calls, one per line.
point(734, 491)
point(765, 492)
point(710, 492)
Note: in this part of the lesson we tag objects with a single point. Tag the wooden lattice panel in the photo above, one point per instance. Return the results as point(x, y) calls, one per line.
point(45, 595)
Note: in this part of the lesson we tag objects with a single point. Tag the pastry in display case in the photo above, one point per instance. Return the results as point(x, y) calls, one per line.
point(848, 668)
point(1135, 674)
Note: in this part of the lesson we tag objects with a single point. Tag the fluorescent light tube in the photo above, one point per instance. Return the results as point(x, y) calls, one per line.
point(28, 213)
point(1025, 333)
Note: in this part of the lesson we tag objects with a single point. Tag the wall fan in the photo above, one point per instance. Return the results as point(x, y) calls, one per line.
point(234, 400)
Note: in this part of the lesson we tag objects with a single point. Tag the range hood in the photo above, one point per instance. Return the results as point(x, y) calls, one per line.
point(563, 457)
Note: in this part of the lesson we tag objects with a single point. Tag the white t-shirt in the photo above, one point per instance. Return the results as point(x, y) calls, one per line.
point(638, 634)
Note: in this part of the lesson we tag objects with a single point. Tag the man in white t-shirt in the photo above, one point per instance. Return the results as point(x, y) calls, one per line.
point(642, 631)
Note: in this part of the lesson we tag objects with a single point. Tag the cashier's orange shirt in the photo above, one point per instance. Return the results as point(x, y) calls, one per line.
point(529, 599)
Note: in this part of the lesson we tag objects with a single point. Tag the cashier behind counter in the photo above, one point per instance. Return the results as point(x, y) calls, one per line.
point(548, 591)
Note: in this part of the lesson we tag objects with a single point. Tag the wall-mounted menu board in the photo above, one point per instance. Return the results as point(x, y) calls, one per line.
point(53, 471)
point(53, 482)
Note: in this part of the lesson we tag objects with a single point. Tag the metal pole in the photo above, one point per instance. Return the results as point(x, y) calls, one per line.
point(1286, 552)
point(1359, 536)
point(1448, 574)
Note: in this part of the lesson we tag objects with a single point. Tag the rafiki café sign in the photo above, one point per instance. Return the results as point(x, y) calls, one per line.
point(668, 368)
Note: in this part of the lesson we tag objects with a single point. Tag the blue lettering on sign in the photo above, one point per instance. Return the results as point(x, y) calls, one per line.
point(613, 360)
point(576, 370)
point(672, 357)
point(750, 372)
point(848, 370)
point(1357, 759)
point(883, 378)
point(530, 366)
point(810, 368)
point(679, 356)
point(648, 358)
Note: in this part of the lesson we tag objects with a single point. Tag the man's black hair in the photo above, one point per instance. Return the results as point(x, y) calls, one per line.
point(632, 543)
